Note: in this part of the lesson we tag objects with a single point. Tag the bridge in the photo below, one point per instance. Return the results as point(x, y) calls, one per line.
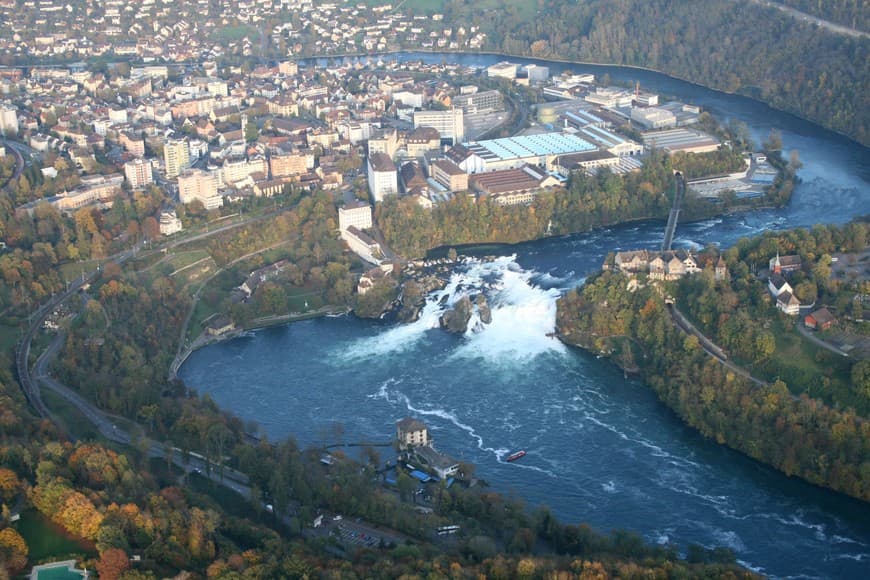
point(679, 194)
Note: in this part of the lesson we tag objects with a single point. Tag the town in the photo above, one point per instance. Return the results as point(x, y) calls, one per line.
point(212, 139)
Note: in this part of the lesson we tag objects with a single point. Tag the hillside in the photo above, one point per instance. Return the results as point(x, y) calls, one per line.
point(803, 410)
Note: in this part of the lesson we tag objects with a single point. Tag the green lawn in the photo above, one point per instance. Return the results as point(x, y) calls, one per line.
point(807, 368)
point(48, 541)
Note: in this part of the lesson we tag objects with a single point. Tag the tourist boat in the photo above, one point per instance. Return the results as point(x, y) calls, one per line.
point(516, 455)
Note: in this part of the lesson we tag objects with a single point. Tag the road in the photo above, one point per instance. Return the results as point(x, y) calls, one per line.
point(31, 382)
point(804, 17)
point(809, 335)
point(19, 161)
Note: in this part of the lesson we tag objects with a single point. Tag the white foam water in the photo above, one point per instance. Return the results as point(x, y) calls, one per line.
point(523, 316)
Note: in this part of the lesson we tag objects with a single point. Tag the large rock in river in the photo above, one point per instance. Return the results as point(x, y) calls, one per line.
point(456, 319)
point(483, 309)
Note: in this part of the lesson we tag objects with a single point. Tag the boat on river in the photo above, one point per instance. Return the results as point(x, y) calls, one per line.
point(516, 455)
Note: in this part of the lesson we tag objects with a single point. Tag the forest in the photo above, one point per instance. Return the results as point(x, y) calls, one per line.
point(820, 435)
point(851, 13)
point(748, 49)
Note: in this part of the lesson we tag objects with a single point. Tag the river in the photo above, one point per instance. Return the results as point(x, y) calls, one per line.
point(601, 449)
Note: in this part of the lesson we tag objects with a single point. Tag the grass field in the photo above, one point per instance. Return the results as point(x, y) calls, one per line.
point(48, 541)
point(807, 368)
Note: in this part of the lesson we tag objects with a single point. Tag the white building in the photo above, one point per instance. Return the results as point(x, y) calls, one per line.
point(169, 222)
point(138, 173)
point(196, 184)
point(653, 117)
point(449, 124)
point(236, 170)
point(176, 157)
point(537, 73)
point(357, 214)
point(504, 70)
point(383, 177)
point(8, 121)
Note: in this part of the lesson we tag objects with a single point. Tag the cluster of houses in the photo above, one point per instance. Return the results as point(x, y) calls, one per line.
point(780, 268)
point(152, 30)
point(667, 265)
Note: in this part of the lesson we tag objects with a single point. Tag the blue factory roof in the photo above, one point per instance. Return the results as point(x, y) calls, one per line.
point(417, 474)
point(530, 146)
point(599, 134)
point(584, 117)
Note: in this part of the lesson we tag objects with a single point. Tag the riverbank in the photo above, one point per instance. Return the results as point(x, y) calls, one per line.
point(206, 339)
point(630, 324)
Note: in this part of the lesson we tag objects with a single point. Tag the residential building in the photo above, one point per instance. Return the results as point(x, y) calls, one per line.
point(411, 432)
point(355, 213)
point(236, 170)
point(8, 121)
point(421, 140)
point(788, 303)
point(176, 157)
point(139, 173)
point(169, 222)
point(196, 184)
point(821, 319)
point(382, 176)
point(386, 142)
point(288, 164)
point(133, 143)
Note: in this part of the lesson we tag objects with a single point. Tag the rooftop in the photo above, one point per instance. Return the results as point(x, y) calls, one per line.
point(529, 146)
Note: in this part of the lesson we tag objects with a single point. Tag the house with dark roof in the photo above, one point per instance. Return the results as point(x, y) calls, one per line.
point(821, 319)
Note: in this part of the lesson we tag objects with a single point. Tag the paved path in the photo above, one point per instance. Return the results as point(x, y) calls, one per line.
point(811, 336)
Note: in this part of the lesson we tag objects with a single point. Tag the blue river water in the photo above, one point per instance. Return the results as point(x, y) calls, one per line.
point(600, 448)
